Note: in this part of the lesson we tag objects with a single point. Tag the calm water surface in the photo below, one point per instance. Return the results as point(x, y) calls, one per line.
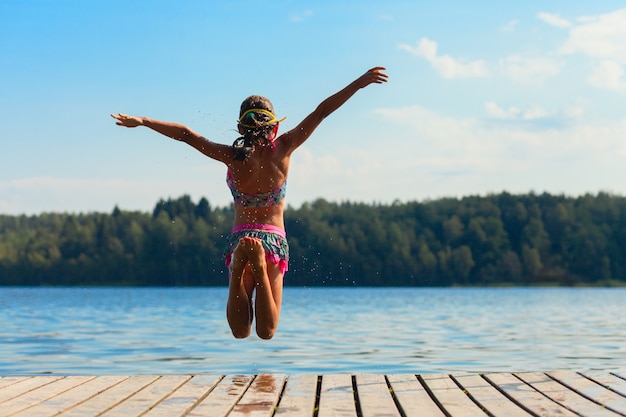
point(352, 330)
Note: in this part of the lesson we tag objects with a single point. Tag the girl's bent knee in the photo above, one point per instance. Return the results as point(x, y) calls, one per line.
point(241, 334)
point(266, 334)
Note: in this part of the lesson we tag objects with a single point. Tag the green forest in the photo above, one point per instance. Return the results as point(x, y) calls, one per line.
point(499, 239)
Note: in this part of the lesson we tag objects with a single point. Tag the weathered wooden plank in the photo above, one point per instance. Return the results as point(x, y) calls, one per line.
point(375, 400)
point(489, 397)
point(337, 396)
point(10, 380)
point(298, 399)
point(591, 390)
point(148, 397)
point(41, 394)
point(527, 396)
point(413, 398)
point(72, 397)
point(21, 387)
point(261, 397)
point(564, 396)
point(223, 397)
point(185, 397)
point(451, 397)
point(111, 397)
point(557, 393)
point(610, 381)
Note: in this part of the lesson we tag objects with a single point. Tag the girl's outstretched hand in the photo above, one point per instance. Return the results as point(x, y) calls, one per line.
point(126, 120)
point(373, 76)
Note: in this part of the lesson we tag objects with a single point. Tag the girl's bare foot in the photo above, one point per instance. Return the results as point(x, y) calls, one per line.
point(255, 255)
point(239, 260)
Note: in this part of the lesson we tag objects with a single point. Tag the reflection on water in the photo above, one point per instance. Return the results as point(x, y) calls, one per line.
point(148, 331)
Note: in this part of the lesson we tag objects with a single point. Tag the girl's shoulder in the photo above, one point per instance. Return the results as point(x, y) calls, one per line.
point(284, 143)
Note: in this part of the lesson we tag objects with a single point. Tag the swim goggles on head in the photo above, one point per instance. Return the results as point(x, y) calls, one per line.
point(264, 123)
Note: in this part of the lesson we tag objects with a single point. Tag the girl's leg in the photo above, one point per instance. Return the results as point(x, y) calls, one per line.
point(269, 289)
point(239, 311)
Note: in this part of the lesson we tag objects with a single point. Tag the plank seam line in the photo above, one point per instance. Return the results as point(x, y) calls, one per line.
point(471, 397)
point(243, 392)
point(548, 397)
point(318, 395)
point(280, 396)
point(432, 396)
point(355, 393)
point(32, 389)
point(41, 401)
point(617, 375)
point(203, 396)
point(127, 397)
point(394, 398)
point(15, 382)
point(583, 395)
point(507, 395)
point(601, 384)
point(94, 395)
point(165, 396)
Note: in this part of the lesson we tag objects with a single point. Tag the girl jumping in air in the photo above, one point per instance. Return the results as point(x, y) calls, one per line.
point(257, 252)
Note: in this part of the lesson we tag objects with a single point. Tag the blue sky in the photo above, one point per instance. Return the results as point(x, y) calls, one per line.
point(482, 98)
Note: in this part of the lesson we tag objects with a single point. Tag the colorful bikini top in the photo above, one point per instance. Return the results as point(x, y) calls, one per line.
point(271, 198)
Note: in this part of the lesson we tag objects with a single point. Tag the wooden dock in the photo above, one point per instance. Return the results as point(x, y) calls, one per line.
point(558, 393)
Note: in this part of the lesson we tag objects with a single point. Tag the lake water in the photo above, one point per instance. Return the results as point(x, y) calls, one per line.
point(349, 330)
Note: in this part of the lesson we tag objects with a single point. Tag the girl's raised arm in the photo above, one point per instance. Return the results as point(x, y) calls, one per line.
point(219, 152)
point(301, 133)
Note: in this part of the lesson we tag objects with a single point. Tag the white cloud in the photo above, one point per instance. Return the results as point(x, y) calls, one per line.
point(488, 157)
point(575, 110)
point(602, 37)
point(529, 70)
point(535, 115)
point(511, 26)
point(533, 112)
point(608, 75)
point(439, 144)
point(447, 66)
point(554, 20)
point(328, 175)
point(493, 110)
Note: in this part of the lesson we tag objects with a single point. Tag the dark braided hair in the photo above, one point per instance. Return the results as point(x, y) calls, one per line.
point(257, 127)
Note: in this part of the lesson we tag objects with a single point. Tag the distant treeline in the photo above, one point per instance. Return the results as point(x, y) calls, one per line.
point(500, 239)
